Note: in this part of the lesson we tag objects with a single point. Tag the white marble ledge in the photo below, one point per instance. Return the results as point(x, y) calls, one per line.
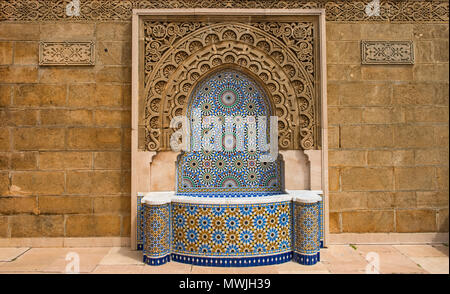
point(160, 198)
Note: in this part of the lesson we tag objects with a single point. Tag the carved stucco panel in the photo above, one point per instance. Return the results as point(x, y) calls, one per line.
point(280, 55)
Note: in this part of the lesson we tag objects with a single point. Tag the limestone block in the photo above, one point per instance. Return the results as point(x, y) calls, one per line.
point(94, 138)
point(112, 118)
point(64, 204)
point(18, 74)
point(37, 225)
point(19, 31)
point(4, 226)
point(26, 53)
point(333, 137)
point(343, 52)
point(334, 222)
point(113, 74)
point(27, 183)
point(4, 183)
point(92, 225)
point(343, 72)
point(386, 31)
point(23, 117)
point(6, 53)
point(412, 93)
point(348, 201)
point(40, 95)
point(343, 32)
point(387, 72)
point(431, 72)
point(4, 139)
point(366, 179)
point(409, 136)
point(62, 117)
point(39, 138)
point(362, 93)
point(94, 182)
point(405, 199)
point(414, 178)
point(65, 75)
point(442, 220)
point(110, 160)
point(427, 114)
point(62, 31)
point(416, 220)
point(113, 31)
point(367, 221)
point(114, 53)
point(367, 136)
point(65, 160)
point(430, 31)
point(344, 158)
point(86, 95)
point(24, 161)
point(5, 95)
point(113, 205)
point(333, 179)
point(17, 205)
point(344, 115)
point(380, 200)
point(432, 199)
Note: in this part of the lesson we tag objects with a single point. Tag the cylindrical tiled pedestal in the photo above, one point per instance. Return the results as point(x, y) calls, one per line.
point(157, 234)
point(306, 218)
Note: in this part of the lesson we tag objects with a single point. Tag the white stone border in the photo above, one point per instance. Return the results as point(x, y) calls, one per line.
point(159, 198)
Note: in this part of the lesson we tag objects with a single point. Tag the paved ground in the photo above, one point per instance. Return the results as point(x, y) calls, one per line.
point(337, 259)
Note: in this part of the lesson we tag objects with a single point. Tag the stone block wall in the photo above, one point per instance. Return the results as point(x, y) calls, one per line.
point(65, 141)
point(65, 132)
point(388, 126)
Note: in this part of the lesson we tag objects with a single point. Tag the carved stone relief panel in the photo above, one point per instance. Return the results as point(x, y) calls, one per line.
point(387, 52)
point(66, 53)
point(121, 10)
point(280, 55)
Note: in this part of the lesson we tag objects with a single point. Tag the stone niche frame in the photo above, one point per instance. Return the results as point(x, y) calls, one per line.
point(315, 153)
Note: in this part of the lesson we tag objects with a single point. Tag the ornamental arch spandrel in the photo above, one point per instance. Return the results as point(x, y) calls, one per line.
point(281, 55)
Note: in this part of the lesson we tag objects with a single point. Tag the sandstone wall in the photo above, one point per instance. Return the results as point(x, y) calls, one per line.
point(388, 153)
point(65, 132)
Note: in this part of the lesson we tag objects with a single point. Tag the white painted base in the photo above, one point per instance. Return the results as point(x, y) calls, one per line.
point(335, 239)
point(66, 242)
point(388, 238)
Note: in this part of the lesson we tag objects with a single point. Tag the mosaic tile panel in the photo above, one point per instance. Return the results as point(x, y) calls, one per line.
point(306, 244)
point(235, 230)
point(237, 168)
point(139, 223)
point(157, 234)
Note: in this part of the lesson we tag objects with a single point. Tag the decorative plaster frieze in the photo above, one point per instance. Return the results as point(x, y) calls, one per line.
point(387, 52)
point(67, 53)
point(121, 10)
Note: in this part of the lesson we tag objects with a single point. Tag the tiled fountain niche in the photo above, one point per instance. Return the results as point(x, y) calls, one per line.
point(228, 207)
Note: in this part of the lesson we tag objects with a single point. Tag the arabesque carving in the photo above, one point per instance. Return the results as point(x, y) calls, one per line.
point(67, 53)
point(121, 10)
point(279, 54)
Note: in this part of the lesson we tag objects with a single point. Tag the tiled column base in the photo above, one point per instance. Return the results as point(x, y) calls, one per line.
point(156, 260)
point(306, 259)
point(156, 228)
point(307, 230)
point(233, 261)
